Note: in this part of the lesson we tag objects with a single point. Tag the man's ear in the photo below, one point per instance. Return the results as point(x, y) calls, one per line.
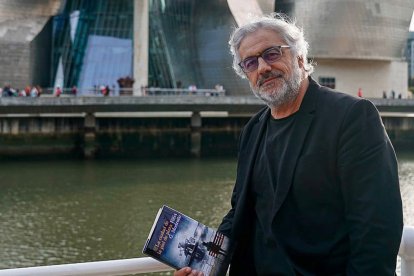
point(300, 62)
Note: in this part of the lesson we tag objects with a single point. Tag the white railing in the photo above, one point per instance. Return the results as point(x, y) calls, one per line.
point(147, 265)
point(407, 251)
point(155, 91)
point(104, 268)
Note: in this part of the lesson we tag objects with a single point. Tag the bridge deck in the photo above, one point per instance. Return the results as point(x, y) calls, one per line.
point(234, 104)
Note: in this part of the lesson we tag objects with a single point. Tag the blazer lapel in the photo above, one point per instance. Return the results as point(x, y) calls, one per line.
point(248, 154)
point(302, 124)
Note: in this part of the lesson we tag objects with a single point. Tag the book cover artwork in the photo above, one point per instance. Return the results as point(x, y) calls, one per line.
point(180, 241)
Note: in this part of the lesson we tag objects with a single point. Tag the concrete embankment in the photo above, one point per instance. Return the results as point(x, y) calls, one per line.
point(161, 136)
point(119, 136)
point(147, 126)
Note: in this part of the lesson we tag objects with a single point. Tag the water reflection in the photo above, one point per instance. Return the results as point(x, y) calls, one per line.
point(65, 212)
point(77, 211)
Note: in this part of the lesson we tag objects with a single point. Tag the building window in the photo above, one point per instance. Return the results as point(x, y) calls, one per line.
point(327, 81)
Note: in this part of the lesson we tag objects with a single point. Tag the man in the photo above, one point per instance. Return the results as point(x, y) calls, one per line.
point(317, 190)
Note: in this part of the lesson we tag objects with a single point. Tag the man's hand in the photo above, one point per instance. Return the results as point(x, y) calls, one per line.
point(187, 271)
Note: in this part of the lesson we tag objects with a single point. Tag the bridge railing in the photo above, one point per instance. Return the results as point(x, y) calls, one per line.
point(154, 91)
point(147, 265)
point(116, 91)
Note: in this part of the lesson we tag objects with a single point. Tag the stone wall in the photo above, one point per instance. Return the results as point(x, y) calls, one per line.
point(25, 38)
point(14, 63)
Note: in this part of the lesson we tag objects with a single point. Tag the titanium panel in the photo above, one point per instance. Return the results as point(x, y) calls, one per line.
point(355, 29)
point(21, 21)
point(242, 11)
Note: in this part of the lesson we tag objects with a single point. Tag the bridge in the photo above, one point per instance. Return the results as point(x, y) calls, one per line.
point(38, 114)
point(191, 103)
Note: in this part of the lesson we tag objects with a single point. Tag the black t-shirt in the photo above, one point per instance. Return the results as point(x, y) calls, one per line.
point(266, 172)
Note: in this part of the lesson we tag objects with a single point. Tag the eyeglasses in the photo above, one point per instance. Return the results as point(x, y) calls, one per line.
point(269, 55)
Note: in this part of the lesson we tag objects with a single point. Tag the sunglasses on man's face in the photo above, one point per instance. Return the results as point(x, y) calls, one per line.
point(269, 55)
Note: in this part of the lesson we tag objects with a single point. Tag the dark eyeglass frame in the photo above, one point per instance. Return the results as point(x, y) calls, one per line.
point(265, 56)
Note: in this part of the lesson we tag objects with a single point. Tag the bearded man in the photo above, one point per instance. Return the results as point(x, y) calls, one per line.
point(317, 189)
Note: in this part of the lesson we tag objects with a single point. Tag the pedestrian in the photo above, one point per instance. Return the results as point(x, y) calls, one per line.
point(39, 90)
point(34, 92)
point(103, 90)
point(74, 90)
point(27, 90)
point(107, 90)
point(7, 91)
point(317, 189)
point(58, 91)
point(192, 88)
point(22, 93)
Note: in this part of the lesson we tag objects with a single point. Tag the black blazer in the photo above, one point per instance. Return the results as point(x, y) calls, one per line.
point(338, 207)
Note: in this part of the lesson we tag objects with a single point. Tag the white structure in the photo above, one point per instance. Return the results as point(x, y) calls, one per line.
point(358, 43)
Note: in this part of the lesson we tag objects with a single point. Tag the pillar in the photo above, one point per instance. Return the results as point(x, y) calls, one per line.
point(89, 145)
point(141, 26)
point(15, 126)
point(196, 134)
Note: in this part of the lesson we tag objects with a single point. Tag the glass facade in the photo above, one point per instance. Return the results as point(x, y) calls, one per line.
point(170, 43)
point(187, 45)
point(410, 58)
point(92, 44)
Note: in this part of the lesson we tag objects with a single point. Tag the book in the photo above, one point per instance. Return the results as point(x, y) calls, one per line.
point(179, 241)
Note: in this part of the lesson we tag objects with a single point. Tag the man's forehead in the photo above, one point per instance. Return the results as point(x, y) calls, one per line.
point(259, 40)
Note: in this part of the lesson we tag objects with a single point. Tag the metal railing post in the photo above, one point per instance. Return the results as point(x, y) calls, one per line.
point(407, 251)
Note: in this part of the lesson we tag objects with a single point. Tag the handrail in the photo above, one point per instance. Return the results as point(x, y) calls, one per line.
point(102, 268)
point(147, 264)
point(406, 251)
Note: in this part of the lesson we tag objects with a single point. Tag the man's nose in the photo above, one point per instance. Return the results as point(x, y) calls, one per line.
point(263, 66)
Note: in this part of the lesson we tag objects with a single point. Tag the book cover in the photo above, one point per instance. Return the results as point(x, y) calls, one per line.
point(178, 241)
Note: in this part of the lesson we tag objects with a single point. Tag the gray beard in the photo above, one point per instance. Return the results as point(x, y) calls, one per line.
point(284, 94)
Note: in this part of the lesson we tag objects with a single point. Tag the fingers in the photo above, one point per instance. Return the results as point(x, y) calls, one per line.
point(196, 273)
point(183, 271)
point(187, 271)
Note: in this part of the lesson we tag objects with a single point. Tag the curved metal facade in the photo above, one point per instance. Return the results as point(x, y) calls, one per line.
point(355, 29)
point(188, 45)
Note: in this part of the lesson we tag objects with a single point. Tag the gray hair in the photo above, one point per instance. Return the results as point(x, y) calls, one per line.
point(281, 24)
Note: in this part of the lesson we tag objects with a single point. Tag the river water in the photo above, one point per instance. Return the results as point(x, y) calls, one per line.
point(55, 212)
